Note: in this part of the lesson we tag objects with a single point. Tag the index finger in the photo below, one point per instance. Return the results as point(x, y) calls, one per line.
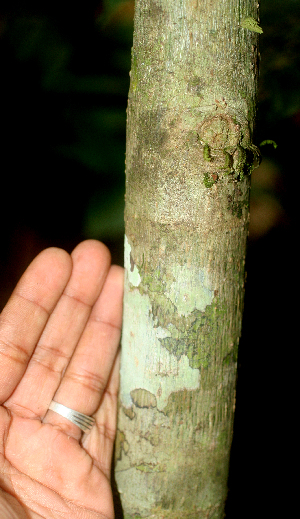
point(26, 313)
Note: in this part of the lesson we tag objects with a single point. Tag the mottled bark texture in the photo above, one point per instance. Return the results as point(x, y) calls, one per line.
point(188, 163)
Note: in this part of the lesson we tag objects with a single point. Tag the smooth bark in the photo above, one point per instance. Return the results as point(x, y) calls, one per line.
point(188, 162)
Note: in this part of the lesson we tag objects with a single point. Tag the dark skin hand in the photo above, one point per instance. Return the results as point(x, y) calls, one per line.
point(59, 339)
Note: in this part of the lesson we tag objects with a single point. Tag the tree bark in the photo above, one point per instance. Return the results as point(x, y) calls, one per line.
point(189, 157)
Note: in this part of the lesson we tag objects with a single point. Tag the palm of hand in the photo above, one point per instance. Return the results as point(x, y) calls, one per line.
point(59, 336)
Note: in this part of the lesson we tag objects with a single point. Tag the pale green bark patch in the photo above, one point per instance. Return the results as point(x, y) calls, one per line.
point(157, 371)
point(134, 277)
point(190, 290)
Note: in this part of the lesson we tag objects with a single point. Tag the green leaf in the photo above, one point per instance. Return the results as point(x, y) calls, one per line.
point(268, 141)
point(251, 24)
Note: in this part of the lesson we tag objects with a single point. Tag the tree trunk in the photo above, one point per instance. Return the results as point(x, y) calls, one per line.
point(188, 161)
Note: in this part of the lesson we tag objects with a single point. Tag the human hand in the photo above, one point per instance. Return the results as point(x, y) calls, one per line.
point(59, 337)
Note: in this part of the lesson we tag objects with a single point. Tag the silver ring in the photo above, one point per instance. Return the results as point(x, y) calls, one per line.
point(84, 422)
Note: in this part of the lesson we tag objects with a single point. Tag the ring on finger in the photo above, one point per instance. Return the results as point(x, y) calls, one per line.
point(83, 421)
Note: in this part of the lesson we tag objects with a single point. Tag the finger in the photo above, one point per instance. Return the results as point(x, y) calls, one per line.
point(26, 314)
point(99, 444)
point(91, 261)
point(89, 370)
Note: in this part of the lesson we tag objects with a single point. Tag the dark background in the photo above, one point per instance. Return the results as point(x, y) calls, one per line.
point(64, 85)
